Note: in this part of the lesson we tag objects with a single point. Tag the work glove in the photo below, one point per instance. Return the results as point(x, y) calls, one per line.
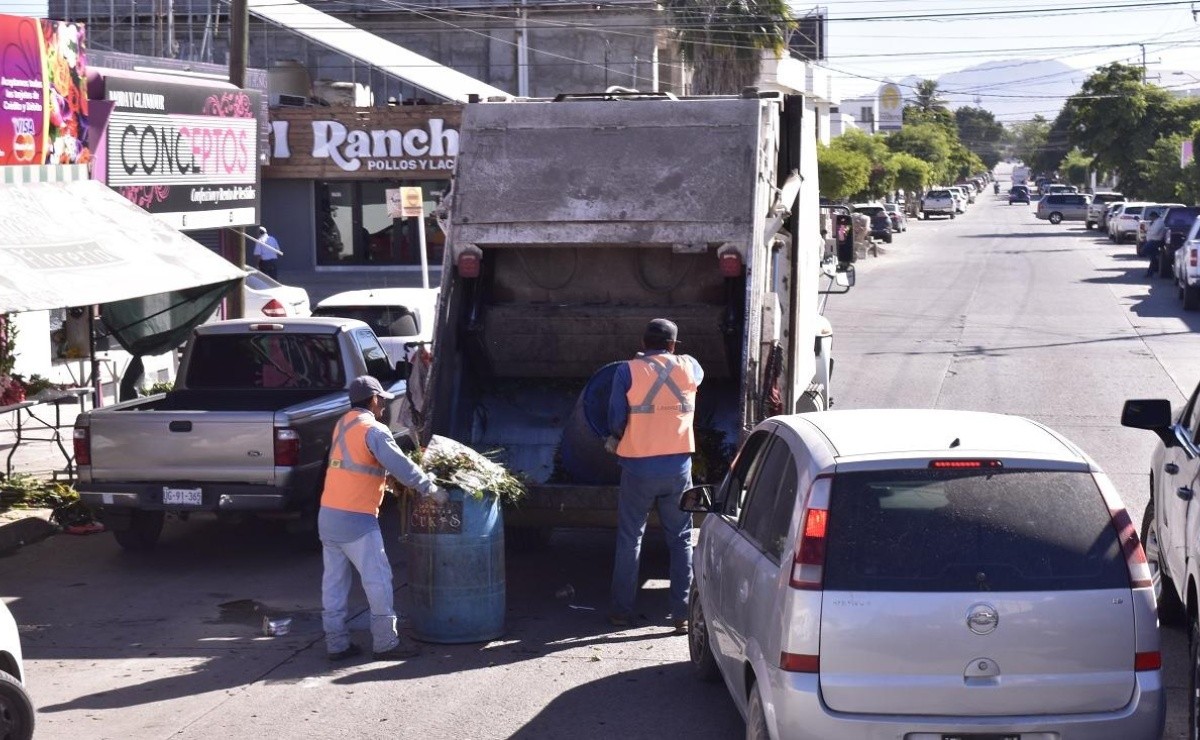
point(438, 494)
point(610, 444)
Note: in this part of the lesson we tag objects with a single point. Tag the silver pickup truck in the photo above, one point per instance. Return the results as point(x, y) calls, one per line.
point(246, 429)
point(938, 202)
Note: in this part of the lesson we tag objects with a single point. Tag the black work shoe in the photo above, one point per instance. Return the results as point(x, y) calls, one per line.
point(349, 652)
point(618, 620)
point(400, 651)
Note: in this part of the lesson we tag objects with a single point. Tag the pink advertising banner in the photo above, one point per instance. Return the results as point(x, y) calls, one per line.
point(43, 99)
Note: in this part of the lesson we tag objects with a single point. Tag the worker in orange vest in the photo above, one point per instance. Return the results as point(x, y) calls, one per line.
point(361, 456)
point(650, 429)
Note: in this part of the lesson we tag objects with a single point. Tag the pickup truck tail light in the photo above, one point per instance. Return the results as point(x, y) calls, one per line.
point(82, 441)
point(287, 448)
point(274, 309)
point(1192, 257)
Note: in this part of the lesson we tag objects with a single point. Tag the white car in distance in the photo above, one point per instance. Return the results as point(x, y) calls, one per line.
point(402, 318)
point(16, 708)
point(265, 296)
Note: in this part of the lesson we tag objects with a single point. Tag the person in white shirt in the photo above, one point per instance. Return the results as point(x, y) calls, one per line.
point(266, 253)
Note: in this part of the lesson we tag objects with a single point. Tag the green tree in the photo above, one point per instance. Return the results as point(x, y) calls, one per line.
point(882, 178)
point(912, 174)
point(1163, 179)
point(723, 40)
point(981, 133)
point(914, 116)
point(928, 97)
point(1075, 167)
point(1028, 137)
point(842, 173)
point(929, 143)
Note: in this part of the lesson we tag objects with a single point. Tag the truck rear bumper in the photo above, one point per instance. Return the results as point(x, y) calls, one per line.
point(212, 497)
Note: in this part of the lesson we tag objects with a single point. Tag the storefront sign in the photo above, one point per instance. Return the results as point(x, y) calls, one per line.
point(43, 101)
point(891, 108)
point(408, 142)
point(186, 152)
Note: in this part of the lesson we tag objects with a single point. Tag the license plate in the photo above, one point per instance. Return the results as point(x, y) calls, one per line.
point(187, 496)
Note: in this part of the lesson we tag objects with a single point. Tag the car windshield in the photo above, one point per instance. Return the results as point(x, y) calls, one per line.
point(1132, 211)
point(955, 530)
point(387, 321)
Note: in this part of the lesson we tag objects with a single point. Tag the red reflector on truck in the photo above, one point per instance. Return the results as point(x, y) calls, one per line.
point(730, 264)
point(1151, 661)
point(798, 663)
point(468, 265)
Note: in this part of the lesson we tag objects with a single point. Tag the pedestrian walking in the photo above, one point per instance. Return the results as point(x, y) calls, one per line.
point(650, 416)
point(266, 253)
point(361, 456)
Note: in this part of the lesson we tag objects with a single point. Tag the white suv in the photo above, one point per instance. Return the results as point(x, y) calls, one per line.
point(923, 574)
point(16, 709)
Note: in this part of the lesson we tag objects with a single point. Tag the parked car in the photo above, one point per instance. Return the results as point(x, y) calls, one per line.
point(1018, 194)
point(960, 198)
point(1185, 265)
point(1097, 210)
point(1058, 188)
point(1150, 214)
point(16, 708)
point(968, 190)
point(896, 213)
point(1168, 524)
point(262, 295)
point(1174, 218)
point(1123, 223)
point(401, 317)
point(938, 202)
point(1059, 207)
point(923, 573)
point(881, 222)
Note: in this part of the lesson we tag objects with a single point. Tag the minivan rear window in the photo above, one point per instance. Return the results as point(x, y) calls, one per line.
point(955, 530)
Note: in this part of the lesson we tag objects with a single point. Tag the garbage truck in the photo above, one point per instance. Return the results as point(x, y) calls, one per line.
point(570, 224)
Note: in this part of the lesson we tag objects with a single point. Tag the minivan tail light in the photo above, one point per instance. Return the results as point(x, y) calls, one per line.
point(287, 448)
point(800, 663)
point(82, 442)
point(1148, 661)
point(808, 565)
point(1135, 556)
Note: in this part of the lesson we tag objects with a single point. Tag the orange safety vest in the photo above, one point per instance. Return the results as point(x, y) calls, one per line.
point(354, 480)
point(662, 402)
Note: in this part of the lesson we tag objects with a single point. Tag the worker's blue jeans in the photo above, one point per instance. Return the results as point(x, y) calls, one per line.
point(367, 556)
point(638, 496)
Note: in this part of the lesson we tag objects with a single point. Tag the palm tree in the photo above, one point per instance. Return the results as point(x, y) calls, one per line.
point(723, 40)
point(928, 97)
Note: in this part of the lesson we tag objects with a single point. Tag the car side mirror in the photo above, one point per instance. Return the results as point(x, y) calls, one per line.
point(1151, 414)
point(697, 500)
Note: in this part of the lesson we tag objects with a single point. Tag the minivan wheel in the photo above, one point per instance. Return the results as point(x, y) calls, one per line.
point(1170, 610)
point(1056, 218)
point(16, 710)
point(704, 663)
point(756, 717)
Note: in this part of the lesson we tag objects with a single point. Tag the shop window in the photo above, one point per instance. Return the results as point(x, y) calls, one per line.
point(354, 228)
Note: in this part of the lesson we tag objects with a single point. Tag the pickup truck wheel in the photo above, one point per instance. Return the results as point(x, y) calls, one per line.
point(1165, 269)
point(1191, 297)
point(142, 533)
point(951, 216)
point(16, 709)
point(704, 663)
point(1056, 218)
point(1171, 611)
point(1089, 225)
point(924, 215)
point(887, 238)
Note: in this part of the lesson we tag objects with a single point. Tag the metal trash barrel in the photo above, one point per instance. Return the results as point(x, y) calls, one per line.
point(584, 459)
point(456, 569)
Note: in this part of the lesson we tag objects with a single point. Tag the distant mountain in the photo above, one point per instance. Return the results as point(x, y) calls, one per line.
point(1013, 90)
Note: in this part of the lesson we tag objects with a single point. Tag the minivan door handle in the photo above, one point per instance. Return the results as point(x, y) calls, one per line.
point(1185, 493)
point(1171, 468)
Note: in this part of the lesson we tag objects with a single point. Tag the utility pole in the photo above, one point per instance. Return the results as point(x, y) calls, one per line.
point(1143, 47)
point(239, 49)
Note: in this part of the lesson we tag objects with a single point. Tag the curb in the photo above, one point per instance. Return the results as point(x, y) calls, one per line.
point(32, 526)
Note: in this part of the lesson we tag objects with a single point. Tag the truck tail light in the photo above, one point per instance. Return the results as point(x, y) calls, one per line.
point(469, 265)
point(287, 448)
point(82, 442)
point(1135, 556)
point(274, 309)
point(730, 264)
point(1192, 257)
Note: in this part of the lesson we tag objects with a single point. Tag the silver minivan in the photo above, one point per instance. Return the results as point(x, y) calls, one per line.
point(923, 574)
point(1059, 207)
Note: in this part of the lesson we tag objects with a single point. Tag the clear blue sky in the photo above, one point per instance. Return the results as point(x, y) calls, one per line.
point(1084, 37)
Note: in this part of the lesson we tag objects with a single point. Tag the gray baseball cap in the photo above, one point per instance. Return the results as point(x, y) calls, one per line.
point(662, 330)
point(365, 386)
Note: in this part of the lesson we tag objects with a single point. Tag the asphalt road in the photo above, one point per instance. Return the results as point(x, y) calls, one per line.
point(992, 311)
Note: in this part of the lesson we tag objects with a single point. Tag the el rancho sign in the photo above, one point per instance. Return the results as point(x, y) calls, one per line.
point(398, 143)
